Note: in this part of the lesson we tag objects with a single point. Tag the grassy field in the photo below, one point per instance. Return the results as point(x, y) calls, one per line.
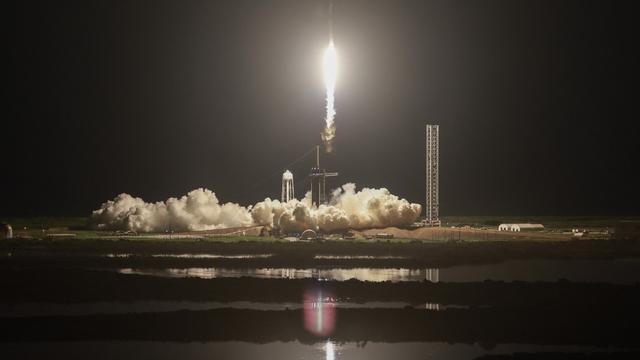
point(39, 223)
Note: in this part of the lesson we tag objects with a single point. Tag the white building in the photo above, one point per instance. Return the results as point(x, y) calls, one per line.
point(520, 227)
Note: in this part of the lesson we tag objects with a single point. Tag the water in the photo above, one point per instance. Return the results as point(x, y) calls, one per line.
point(194, 256)
point(357, 257)
point(611, 271)
point(363, 274)
point(213, 256)
point(317, 316)
point(324, 350)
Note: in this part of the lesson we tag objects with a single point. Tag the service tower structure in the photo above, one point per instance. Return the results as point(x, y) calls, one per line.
point(318, 181)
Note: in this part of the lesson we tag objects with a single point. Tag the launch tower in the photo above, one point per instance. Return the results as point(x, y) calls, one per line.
point(318, 180)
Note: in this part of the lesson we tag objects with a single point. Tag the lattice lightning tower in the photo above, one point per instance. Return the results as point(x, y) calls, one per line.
point(432, 204)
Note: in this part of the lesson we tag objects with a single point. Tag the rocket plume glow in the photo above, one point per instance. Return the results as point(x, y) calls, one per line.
point(330, 73)
point(330, 81)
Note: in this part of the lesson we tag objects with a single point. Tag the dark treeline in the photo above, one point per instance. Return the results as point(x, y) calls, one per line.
point(613, 326)
point(29, 285)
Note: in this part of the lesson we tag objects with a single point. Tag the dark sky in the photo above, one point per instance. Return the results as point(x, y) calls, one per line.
point(537, 101)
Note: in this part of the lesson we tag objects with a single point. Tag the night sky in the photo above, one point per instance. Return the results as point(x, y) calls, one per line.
point(537, 101)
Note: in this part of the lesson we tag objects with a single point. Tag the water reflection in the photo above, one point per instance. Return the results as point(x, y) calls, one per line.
point(432, 306)
point(611, 271)
point(213, 256)
point(237, 350)
point(329, 351)
point(193, 256)
point(357, 257)
point(432, 275)
point(362, 274)
point(319, 312)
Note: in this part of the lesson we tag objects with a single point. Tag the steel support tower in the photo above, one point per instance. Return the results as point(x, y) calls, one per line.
point(432, 204)
point(318, 182)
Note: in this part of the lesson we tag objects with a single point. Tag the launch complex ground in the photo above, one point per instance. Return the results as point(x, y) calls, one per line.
point(260, 252)
point(460, 240)
point(87, 267)
point(454, 228)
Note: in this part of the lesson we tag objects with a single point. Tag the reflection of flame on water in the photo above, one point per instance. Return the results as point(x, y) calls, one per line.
point(432, 306)
point(329, 351)
point(319, 312)
point(361, 274)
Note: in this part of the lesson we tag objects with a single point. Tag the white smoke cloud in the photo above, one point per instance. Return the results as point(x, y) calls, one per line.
point(201, 210)
point(348, 209)
point(198, 210)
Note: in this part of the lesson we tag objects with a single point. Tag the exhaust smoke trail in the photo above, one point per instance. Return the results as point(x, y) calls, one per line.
point(330, 73)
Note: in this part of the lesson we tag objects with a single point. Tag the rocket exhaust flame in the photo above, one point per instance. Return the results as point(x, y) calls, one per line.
point(330, 74)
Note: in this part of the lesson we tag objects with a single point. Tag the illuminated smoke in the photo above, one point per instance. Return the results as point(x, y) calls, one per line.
point(330, 68)
point(348, 209)
point(201, 210)
point(198, 210)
